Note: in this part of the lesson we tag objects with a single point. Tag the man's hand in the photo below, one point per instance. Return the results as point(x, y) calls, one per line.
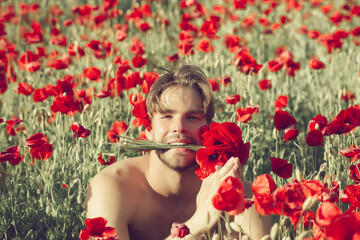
point(206, 216)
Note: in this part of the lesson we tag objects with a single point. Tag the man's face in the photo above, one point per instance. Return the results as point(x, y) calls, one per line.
point(179, 124)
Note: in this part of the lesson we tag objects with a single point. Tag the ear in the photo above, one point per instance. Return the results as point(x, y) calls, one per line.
point(149, 133)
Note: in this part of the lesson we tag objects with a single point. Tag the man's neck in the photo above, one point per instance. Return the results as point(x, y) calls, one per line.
point(171, 183)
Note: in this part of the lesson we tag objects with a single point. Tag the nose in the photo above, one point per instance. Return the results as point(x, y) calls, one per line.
point(178, 126)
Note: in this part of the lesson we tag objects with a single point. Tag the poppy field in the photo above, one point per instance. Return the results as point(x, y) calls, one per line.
point(74, 76)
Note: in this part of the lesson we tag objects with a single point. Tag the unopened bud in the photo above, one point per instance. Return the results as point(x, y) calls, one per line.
point(284, 221)
point(323, 167)
point(274, 232)
point(235, 227)
point(227, 226)
point(308, 203)
point(78, 199)
point(38, 185)
point(87, 106)
point(48, 209)
point(215, 237)
point(275, 133)
point(35, 112)
point(266, 237)
point(298, 175)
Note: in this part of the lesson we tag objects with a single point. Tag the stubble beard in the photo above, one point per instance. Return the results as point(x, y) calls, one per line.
point(175, 162)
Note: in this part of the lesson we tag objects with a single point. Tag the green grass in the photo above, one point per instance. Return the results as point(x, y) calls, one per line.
point(33, 203)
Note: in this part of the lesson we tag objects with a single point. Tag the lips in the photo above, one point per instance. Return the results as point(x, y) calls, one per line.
point(179, 142)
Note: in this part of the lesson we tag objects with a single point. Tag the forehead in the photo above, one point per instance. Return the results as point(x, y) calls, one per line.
point(179, 97)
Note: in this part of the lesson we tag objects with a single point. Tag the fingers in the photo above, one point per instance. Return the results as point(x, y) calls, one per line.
point(231, 168)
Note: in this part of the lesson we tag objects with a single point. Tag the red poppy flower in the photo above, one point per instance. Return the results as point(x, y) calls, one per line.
point(233, 99)
point(96, 227)
point(276, 64)
point(173, 58)
point(315, 63)
point(354, 173)
point(135, 98)
point(308, 218)
point(79, 130)
point(233, 42)
point(244, 115)
point(40, 148)
point(353, 193)
point(148, 80)
point(139, 61)
point(263, 186)
point(326, 212)
point(281, 167)
point(224, 81)
point(344, 226)
point(204, 46)
point(317, 123)
point(289, 200)
point(109, 160)
point(246, 63)
point(116, 130)
point(24, 88)
point(92, 73)
point(314, 138)
point(312, 188)
point(214, 84)
point(58, 64)
point(351, 152)
point(73, 52)
point(11, 154)
point(43, 152)
point(230, 196)
point(264, 84)
point(290, 133)
point(29, 61)
point(281, 102)
point(313, 34)
point(40, 95)
point(348, 96)
point(179, 230)
point(283, 120)
point(11, 124)
point(210, 27)
point(222, 141)
point(36, 140)
point(103, 94)
point(65, 105)
point(137, 47)
point(142, 118)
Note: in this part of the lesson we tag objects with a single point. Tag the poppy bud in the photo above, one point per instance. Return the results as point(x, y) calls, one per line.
point(215, 237)
point(235, 227)
point(274, 232)
point(308, 203)
point(87, 106)
point(275, 133)
point(35, 112)
point(298, 175)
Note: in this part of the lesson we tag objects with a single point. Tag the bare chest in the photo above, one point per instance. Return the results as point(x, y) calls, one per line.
point(154, 216)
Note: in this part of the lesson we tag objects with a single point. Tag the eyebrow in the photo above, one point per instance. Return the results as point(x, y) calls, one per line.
point(166, 110)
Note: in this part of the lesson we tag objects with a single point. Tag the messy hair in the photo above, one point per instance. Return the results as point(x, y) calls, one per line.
point(184, 75)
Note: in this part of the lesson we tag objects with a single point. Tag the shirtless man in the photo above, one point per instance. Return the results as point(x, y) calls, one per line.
point(141, 197)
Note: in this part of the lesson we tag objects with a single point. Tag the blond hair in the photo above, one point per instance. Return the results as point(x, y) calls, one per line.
point(184, 75)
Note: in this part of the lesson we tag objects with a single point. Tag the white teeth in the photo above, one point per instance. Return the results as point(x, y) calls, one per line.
point(177, 143)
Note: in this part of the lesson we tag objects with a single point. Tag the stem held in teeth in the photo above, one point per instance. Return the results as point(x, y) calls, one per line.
point(141, 145)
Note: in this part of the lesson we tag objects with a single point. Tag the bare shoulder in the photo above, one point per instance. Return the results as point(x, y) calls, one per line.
point(109, 193)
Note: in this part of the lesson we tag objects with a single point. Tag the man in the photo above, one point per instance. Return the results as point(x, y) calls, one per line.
point(141, 197)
